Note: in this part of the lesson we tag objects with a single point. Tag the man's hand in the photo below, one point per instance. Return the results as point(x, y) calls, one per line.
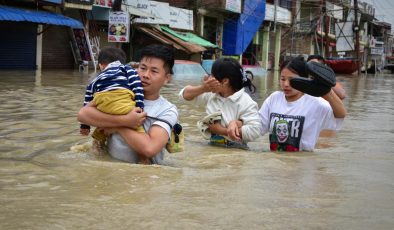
point(135, 118)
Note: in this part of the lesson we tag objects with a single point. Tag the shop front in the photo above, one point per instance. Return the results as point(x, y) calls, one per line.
point(22, 46)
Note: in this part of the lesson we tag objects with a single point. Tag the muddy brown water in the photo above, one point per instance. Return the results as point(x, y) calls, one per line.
point(346, 183)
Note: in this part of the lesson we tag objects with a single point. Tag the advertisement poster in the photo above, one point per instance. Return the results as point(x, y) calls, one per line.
point(118, 26)
point(82, 43)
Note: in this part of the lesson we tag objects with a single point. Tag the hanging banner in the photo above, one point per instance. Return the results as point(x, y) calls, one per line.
point(118, 26)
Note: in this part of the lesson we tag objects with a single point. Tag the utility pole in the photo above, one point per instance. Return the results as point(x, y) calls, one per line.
point(356, 29)
point(326, 28)
point(275, 8)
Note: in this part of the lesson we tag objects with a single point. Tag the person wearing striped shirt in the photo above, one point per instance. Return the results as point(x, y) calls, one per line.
point(124, 142)
point(116, 90)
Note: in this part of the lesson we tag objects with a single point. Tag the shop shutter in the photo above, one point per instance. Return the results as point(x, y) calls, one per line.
point(18, 45)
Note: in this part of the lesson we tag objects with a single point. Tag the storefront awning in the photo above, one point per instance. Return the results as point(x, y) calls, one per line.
point(36, 16)
point(169, 39)
point(189, 37)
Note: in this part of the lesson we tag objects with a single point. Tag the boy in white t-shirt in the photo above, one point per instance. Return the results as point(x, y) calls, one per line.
point(294, 119)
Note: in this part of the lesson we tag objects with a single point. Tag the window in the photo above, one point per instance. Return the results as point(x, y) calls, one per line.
point(210, 25)
point(285, 4)
point(305, 18)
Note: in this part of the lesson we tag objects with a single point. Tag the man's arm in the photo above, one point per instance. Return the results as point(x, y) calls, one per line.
point(146, 144)
point(92, 116)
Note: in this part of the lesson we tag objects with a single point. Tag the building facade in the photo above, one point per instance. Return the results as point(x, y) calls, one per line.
point(257, 32)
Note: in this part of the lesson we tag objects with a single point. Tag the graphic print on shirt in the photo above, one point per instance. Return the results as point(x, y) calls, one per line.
point(285, 132)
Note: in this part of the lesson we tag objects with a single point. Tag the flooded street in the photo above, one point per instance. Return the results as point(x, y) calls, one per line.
point(346, 183)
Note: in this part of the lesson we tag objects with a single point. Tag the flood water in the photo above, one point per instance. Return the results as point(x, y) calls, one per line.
point(346, 183)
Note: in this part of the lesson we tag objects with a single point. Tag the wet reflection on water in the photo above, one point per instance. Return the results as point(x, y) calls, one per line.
point(44, 185)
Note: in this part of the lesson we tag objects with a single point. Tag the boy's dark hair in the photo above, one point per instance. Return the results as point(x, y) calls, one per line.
point(296, 65)
point(230, 68)
point(111, 54)
point(163, 52)
point(315, 56)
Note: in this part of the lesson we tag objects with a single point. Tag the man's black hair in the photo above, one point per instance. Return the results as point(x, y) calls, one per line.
point(315, 56)
point(163, 52)
point(110, 54)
